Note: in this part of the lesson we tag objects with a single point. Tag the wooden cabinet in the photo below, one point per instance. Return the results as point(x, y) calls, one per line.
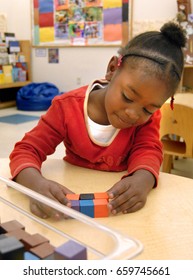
point(8, 90)
point(187, 79)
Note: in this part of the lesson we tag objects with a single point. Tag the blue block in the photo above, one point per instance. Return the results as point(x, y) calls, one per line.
point(29, 256)
point(87, 207)
point(70, 251)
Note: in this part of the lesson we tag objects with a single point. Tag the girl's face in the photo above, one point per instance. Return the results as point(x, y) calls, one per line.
point(132, 97)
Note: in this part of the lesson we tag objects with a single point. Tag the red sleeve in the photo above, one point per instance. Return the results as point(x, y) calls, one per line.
point(146, 152)
point(41, 141)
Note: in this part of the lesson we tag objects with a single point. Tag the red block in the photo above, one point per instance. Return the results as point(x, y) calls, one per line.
point(102, 195)
point(72, 196)
point(101, 208)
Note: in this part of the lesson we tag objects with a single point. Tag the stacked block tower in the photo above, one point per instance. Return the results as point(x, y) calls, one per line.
point(94, 205)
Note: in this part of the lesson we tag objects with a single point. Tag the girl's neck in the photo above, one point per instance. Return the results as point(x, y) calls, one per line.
point(96, 106)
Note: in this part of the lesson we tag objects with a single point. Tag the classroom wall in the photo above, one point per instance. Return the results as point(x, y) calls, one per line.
point(79, 65)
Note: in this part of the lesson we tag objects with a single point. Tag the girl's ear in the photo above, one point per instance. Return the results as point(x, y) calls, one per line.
point(111, 68)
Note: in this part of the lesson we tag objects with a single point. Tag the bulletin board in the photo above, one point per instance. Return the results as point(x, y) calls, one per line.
point(185, 18)
point(81, 22)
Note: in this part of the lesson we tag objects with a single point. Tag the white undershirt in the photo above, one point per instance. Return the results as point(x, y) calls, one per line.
point(101, 133)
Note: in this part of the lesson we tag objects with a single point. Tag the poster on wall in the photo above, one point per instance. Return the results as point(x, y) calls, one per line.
point(185, 18)
point(80, 22)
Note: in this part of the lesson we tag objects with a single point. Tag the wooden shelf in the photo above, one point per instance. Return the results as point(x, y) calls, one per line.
point(15, 84)
point(5, 101)
point(7, 104)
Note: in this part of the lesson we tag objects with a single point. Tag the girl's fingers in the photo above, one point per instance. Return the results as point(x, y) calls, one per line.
point(35, 209)
point(59, 194)
point(119, 204)
point(44, 211)
point(135, 207)
point(120, 187)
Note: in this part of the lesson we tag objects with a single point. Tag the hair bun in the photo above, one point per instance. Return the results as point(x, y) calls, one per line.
point(174, 33)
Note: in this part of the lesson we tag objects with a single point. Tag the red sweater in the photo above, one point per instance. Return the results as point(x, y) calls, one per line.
point(66, 120)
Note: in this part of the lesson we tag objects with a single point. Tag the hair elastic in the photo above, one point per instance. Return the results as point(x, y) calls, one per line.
point(119, 60)
point(172, 102)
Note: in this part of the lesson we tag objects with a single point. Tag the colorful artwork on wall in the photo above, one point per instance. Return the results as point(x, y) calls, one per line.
point(185, 18)
point(80, 22)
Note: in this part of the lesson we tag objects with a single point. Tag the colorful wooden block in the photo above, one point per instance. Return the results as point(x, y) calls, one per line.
point(75, 204)
point(44, 251)
point(86, 196)
point(20, 245)
point(87, 207)
point(34, 240)
point(10, 226)
point(19, 234)
point(39, 239)
point(70, 251)
point(11, 249)
point(72, 196)
point(27, 239)
point(101, 208)
point(29, 256)
point(102, 195)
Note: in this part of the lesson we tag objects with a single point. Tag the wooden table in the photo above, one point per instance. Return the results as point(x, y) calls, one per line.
point(164, 226)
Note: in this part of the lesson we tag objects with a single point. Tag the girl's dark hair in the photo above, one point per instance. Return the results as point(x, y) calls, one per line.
point(163, 48)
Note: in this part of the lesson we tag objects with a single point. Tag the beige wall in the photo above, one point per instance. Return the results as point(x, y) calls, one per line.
point(79, 64)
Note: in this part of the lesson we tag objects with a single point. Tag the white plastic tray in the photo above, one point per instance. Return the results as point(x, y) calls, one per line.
point(121, 246)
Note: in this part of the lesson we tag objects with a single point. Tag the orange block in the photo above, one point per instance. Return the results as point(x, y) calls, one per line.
point(102, 195)
point(72, 196)
point(100, 208)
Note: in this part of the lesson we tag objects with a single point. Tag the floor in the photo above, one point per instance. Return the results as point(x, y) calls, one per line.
point(14, 124)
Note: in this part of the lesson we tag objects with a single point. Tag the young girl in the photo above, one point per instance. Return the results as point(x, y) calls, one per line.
point(110, 125)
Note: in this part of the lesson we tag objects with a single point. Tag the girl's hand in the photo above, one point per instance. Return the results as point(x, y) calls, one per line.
point(31, 178)
point(130, 194)
point(53, 191)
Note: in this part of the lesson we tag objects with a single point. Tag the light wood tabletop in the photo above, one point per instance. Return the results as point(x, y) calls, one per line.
point(164, 226)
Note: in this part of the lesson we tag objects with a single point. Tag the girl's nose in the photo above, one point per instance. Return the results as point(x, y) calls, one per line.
point(132, 114)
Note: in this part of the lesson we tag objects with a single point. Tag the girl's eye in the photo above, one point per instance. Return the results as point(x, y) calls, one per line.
point(147, 112)
point(126, 98)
